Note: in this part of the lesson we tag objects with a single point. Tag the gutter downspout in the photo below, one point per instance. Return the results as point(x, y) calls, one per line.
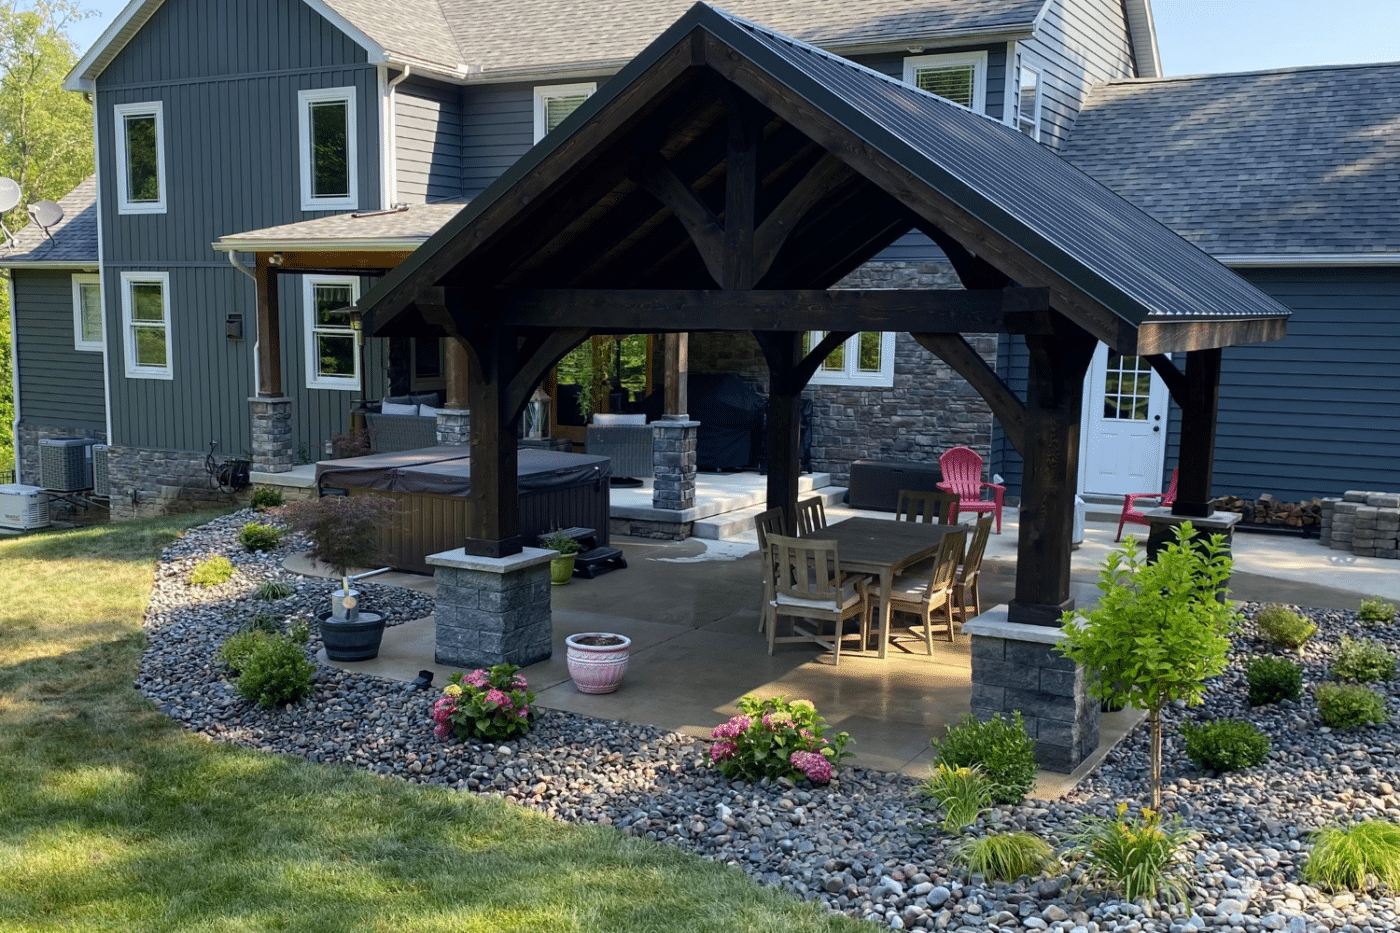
point(391, 149)
point(242, 266)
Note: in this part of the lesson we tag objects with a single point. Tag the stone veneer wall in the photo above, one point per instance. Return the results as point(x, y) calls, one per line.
point(929, 409)
point(1365, 523)
point(162, 482)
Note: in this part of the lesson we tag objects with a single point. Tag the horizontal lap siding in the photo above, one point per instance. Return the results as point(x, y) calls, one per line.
point(227, 75)
point(498, 127)
point(59, 386)
point(428, 141)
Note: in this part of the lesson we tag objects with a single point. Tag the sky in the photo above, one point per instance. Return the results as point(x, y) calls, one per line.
point(1194, 36)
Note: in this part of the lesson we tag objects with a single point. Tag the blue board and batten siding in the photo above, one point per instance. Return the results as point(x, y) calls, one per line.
point(1315, 414)
point(61, 387)
point(227, 76)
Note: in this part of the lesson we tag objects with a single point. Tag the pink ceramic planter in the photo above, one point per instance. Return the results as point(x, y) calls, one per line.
point(597, 668)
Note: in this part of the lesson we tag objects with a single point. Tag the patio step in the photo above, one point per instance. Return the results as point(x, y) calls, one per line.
point(739, 522)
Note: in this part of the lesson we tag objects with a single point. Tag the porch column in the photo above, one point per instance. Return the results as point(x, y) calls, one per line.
point(454, 418)
point(271, 410)
point(784, 421)
point(1054, 396)
point(675, 350)
point(493, 512)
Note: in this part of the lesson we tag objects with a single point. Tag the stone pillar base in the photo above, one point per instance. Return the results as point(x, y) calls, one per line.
point(272, 434)
point(492, 610)
point(454, 426)
point(1017, 667)
point(1163, 524)
point(673, 447)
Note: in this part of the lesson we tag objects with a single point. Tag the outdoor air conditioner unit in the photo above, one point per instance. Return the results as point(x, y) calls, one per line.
point(23, 507)
point(101, 479)
point(65, 463)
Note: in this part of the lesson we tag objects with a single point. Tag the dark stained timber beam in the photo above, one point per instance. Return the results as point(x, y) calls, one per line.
point(269, 331)
point(828, 174)
point(746, 121)
point(493, 512)
point(700, 222)
point(1171, 376)
point(1014, 310)
point(972, 271)
point(1009, 410)
point(543, 355)
point(1154, 337)
point(1198, 419)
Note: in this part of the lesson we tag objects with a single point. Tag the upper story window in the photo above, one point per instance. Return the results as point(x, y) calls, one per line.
point(867, 359)
point(146, 324)
point(87, 313)
point(958, 76)
point(140, 137)
point(326, 125)
point(1028, 94)
point(554, 103)
point(332, 346)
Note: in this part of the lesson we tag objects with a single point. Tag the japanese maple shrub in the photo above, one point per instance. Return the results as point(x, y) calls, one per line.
point(1159, 632)
point(776, 739)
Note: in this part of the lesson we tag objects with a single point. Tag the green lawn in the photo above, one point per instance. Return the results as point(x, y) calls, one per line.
point(112, 818)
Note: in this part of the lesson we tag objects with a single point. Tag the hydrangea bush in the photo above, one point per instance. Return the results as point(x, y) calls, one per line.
point(776, 739)
point(491, 705)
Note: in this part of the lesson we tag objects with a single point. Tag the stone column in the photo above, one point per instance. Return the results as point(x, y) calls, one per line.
point(272, 434)
point(453, 426)
point(673, 455)
point(1163, 524)
point(492, 610)
point(1015, 666)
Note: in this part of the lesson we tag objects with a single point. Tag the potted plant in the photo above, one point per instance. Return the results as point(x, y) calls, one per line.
point(344, 533)
point(597, 660)
point(561, 568)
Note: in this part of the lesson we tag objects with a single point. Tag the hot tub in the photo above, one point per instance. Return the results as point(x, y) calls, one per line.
point(430, 486)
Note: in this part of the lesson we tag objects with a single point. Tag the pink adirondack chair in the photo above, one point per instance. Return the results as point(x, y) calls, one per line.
point(1130, 509)
point(962, 476)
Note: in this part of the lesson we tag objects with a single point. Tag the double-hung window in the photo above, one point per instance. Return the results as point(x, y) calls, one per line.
point(1028, 94)
point(87, 313)
point(332, 346)
point(960, 77)
point(867, 359)
point(555, 102)
point(140, 146)
point(146, 325)
point(326, 129)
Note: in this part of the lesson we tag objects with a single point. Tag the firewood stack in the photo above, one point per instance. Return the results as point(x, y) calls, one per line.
point(1266, 510)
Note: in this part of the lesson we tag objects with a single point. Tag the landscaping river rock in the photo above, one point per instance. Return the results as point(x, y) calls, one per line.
point(860, 846)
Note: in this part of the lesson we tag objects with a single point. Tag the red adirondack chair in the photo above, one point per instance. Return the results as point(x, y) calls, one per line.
point(962, 476)
point(1130, 509)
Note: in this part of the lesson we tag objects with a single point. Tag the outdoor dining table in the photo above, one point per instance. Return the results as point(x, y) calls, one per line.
point(881, 548)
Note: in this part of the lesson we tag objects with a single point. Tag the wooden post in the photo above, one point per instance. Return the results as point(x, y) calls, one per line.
point(493, 522)
point(1054, 396)
point(269, 331)
point(784, 421)
point(458, 388)
point(1198, 415)
point(676, 370)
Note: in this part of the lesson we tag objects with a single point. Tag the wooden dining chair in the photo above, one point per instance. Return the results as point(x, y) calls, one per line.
point(965, 591)
point(811, 517)
point(767, 524)
point(927, 507)
point(922, 595)
point(809, 588)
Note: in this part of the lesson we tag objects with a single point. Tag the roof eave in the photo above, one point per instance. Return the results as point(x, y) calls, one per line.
point(21, 263)
point(1311, 260)
point(316, 245)
point(1143, 32)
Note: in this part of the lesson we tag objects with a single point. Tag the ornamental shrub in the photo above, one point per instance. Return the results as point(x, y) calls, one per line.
point(963, 793)
point(1376, 611)
point(1284, 627)
point(265, 497)
point(491, 705)
point(212, 572)
point(1000, 747)
point(1273, 679)
point(1225, 744)
point(1346, 706)
point(238, 648)
point(776, 739)
point(1344, 858)
point(1004, 856)
point(275, 589)
point(259, 537)
point(274, 672)
point(1138, 856)
point(1364, 661)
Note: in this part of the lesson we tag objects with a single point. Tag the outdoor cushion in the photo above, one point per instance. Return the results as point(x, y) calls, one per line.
point(602, 419)
point(400, 400)
point(395, 408)
point(849, 597)
point(427, 411)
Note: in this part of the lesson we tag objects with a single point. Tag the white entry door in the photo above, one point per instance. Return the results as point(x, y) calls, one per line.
point(1124, 433)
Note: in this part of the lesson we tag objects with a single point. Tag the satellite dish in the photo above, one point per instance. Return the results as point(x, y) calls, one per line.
point(46, 213)
point(9, 194)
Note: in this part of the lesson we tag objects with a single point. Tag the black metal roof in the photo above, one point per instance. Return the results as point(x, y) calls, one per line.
point(918, 159)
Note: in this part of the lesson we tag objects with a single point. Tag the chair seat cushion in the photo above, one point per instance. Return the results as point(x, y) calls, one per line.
point(850, 596)
point(906, 588)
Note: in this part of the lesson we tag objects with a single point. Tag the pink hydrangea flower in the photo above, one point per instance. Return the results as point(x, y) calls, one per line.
point(477, 678)
point(519, 683)
point(815, 766)
point(442, 730)
point(741, 724)
point(722, 750)
point(443, 709)
point(497, 698)
point(523, 711)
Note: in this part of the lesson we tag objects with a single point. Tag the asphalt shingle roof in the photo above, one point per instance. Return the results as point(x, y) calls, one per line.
point(74, 238)
point(413, 225)
point(1301, 161)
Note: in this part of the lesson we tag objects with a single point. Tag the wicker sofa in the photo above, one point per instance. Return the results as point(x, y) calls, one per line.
point(410, 423)
point(627, 440)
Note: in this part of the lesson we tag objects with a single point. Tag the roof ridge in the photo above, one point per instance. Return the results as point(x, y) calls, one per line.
point(1291, 69)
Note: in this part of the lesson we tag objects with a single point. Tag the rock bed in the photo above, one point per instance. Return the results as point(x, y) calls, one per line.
point(860, 846)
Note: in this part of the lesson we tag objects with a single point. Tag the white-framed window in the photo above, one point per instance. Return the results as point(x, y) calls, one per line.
point(1030, 78)
point(555, 102)
point(428, 363)
point(140, 137)
point(867, 359)
point(957, 76)
point(146, 325)
point(87, 312)
point(332, 346)
point(326, 135)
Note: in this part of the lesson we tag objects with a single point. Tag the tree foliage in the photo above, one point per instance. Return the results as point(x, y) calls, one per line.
point(45, 135)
